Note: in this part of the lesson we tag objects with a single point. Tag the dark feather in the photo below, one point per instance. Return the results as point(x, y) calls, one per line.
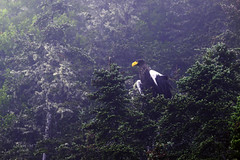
point(153, 81)
point(163, 86)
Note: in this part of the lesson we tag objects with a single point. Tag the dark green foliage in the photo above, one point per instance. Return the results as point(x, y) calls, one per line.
point(215, 78)
point(110, 127)
point(196, 124)
point(111, 87)
point(175, 128)
point(48, 48)
point(118, 130)
point(235, 128)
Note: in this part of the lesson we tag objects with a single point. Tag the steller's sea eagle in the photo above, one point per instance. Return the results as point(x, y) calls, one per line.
point(151, 80)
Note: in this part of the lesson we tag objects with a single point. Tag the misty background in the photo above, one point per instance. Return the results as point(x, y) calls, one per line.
point(66, 81)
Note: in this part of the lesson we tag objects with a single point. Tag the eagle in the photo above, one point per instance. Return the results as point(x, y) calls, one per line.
point(151, 80)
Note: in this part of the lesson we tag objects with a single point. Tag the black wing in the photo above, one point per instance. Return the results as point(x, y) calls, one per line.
point(162, 84)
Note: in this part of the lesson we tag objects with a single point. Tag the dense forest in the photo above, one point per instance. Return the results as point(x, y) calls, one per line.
point(67, 85)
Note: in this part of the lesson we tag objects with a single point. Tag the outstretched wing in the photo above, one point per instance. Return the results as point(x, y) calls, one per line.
point(162, 84)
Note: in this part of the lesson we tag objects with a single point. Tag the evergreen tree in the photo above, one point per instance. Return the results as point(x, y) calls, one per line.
point(118, 131)
point(48, 48)
point(196, 124)
point(44, 84)
point(110, 126)
point(235, 128)
point(214, 79)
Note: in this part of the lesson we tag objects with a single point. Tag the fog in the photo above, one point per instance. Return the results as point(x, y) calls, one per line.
point(67, 85)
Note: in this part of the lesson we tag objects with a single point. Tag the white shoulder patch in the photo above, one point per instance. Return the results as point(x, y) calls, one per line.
point(154, 74)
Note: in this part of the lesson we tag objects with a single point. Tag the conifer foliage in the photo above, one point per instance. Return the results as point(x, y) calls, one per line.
point(112, 117)
point(196, 122)
point(119, 130)
point(235, 128)
point(49, 47)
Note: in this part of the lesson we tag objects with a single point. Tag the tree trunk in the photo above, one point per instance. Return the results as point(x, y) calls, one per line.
point(46, 132)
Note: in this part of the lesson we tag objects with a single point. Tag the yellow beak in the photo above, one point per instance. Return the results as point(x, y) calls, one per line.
point(134, 63)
